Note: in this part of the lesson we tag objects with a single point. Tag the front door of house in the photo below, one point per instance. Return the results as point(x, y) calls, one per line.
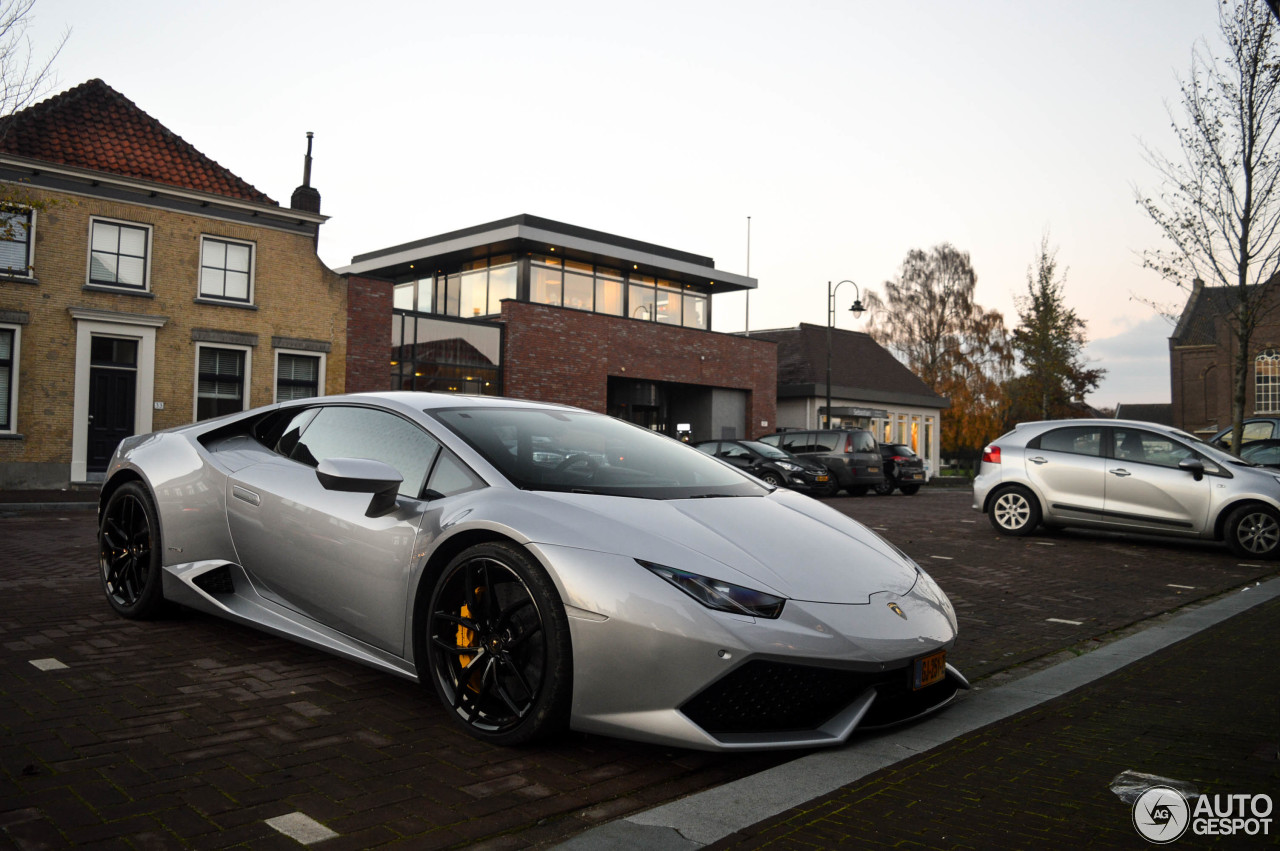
point(113, 385)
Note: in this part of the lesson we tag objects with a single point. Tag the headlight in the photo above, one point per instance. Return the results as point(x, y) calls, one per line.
point(718, 595)
point(789, 467)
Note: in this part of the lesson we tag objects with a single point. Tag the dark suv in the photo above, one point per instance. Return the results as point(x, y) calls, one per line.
point(850, 454)
point(903, 469)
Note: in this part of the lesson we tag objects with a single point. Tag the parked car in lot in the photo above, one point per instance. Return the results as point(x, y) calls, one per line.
point(1255, 429)
point(1128, 476)
point(850, 454)
point(903, 469)
point(772, 465)
point(1264, 453)
point(537, 566)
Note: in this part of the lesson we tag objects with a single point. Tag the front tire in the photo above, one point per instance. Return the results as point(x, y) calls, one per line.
point(909, 490)
point(129, 553)
point(856, 490)
point(1253, 531)
point(884, 488)
point(497, 646)
point(771, 479)
point(1014, 511)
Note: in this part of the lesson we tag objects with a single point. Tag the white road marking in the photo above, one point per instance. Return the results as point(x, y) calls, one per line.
point(48, 664)
point(302, 828)
point(1060, 620)
point(943, 558)
point(1184, 587)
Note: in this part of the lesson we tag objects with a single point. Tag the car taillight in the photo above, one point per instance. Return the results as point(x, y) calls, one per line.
point(898, 459)
point(848, 443)
point(991, 455)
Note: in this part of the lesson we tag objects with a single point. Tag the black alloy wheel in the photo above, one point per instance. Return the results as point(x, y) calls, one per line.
point(498, 646)
point(129, 553)
point(885, 487)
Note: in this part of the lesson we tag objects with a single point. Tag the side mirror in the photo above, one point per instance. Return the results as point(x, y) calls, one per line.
point(1194, 466)
point(362, 475)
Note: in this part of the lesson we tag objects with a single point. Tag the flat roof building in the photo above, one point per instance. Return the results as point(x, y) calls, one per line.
point(532, 308)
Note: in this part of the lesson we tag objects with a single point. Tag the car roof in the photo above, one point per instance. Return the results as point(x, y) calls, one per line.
point(423, 401)
point(1111, 423)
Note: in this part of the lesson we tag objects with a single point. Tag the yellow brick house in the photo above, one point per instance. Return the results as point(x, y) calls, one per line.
point(144, 286)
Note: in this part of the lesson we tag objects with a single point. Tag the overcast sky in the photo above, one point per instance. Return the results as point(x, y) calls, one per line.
point(850, 132)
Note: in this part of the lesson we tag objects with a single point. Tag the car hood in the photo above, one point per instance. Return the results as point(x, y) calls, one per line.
point(783, 542)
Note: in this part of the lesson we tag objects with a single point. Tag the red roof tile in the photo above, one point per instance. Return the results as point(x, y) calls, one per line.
point(93, 126)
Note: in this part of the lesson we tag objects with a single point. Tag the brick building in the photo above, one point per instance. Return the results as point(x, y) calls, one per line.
point(870, 388)
point(1201, 362)
point(536, 309)
point(143, 286)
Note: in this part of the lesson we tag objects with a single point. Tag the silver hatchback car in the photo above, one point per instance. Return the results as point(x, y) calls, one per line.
point(1127, 476)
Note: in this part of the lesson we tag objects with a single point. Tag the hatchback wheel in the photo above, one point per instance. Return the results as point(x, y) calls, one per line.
point(1014, 511)
point(884, 488)
point(1253, 531)
point(771, 478)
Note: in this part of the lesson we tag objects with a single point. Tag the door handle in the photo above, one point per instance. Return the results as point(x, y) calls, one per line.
point(246, 495)
point(1121, 472)
point(1038, 460)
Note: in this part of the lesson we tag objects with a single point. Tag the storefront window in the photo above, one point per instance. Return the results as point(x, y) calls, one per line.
point(578, 285)
point(502, 282)
point(641, 297)
point(669, 301)
point(545, 280)
point(474, 296)
point(695, 311)
point(609, 292)
point(402, 296)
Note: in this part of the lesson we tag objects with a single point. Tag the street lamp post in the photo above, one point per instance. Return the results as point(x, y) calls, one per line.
point(856, 309)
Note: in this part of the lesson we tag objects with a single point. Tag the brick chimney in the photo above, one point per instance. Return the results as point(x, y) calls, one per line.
point(306, 198)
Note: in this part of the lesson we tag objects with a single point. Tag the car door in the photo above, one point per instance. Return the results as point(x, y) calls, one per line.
point(314, 550)
point(1145, 488)
point(1066, 466)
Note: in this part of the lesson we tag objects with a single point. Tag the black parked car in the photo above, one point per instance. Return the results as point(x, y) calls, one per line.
point(903, 469)
point(772, 465)
point(850, 454)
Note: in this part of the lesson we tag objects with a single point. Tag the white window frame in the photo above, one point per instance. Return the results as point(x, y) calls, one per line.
point(149, 230)
point(1266, 395)
point(28, 272)
point(248, 376)
point(205, 239)
point(14, 363)
point(320, 373)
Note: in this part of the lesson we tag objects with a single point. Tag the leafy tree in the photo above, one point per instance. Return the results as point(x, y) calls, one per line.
point(1049, 341)
point(1219, 203)
point(929, 321)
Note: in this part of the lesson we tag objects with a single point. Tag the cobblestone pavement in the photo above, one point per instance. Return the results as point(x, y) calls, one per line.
point(193, 731)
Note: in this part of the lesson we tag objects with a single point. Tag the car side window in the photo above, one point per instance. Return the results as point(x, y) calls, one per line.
point(707, 448)
point(349, 432)
point(1078, 440)
point(1149, 448)
point(1257, 431)
point(826, 442)
point(733, 450)
point(863, 442)
point(451, 476)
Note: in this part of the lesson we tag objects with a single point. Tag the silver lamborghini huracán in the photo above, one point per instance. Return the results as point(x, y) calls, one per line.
point(540, 566)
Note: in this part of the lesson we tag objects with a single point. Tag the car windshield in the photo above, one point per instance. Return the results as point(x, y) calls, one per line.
point(766, 450)
point(903, 449)
point(582, 452)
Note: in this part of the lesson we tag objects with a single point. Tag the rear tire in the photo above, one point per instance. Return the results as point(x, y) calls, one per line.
point(884, 488)
point(909, 490)
point(1253, 531)
point(857, 490)
point(1014, 511)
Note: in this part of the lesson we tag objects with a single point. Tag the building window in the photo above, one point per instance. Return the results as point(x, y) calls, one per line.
point(118, 255)
point(226, 270)
point(298, 376)
point(15, 242)
point(220, 384)
point(1266, 371)
point(8, 379)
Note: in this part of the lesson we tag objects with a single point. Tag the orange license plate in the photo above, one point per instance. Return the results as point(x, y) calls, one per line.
point(820, 478)
point(929, 670)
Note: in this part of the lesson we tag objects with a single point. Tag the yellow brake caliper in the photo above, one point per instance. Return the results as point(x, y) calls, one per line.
point(467, 638)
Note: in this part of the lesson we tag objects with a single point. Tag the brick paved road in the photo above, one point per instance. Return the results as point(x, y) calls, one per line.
point(193, 731)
